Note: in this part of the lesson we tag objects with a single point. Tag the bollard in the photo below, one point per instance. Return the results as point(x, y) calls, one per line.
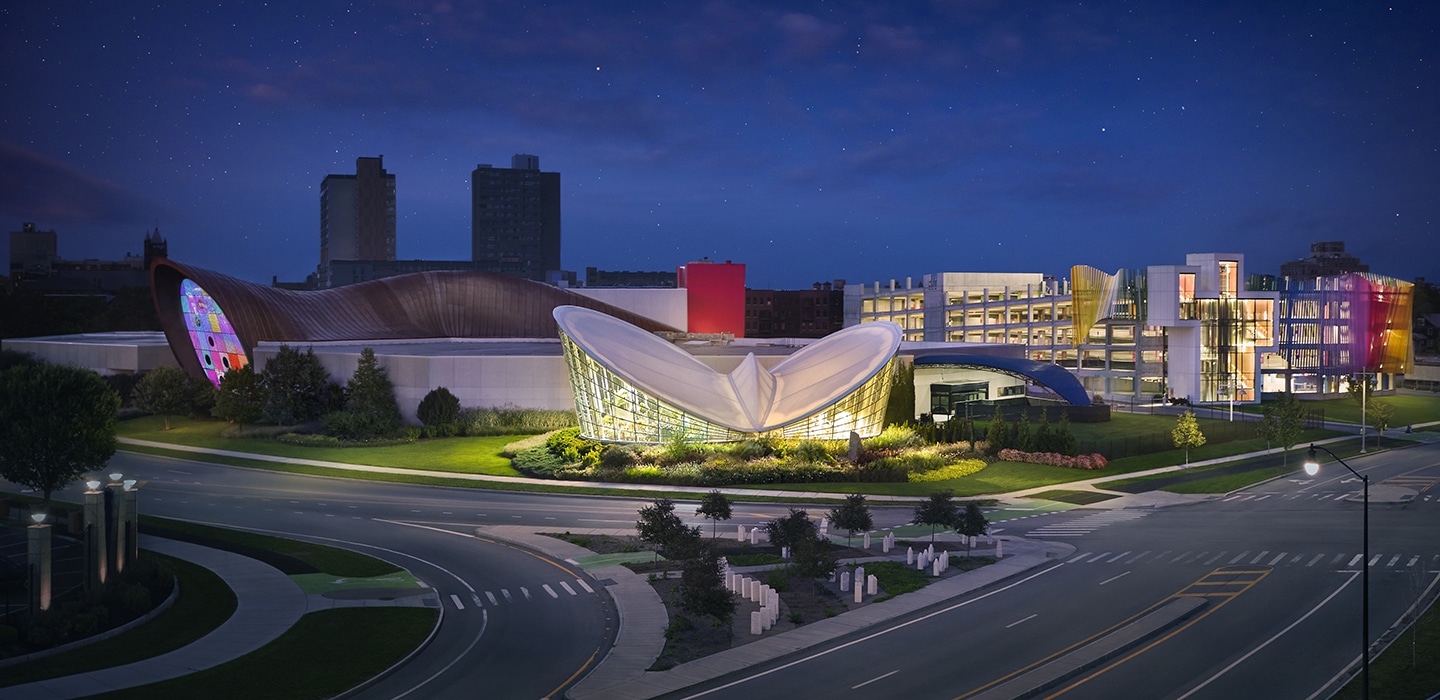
point(909, 555)
point(935, 568)
point(755, 536)
point(998, 553)
point(755, 627)
point(844, 581)
point(859, 583)
point(872, 585)
point(739, 533)
point(784, 552)
point(867, 540)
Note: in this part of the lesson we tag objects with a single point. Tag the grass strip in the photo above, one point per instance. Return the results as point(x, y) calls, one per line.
point(204, 603)
point(324, 654)
point(1409, 668)
point(1079, 498)
point(896, 578)
point(290, 556)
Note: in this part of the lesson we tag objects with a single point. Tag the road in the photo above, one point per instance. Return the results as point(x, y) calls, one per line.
point(1278, 564)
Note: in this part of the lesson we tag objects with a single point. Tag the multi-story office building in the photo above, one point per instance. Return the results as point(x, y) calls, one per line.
point(515, 219)
point(1185, 331)
point(35, 264)
point(357, 214)
point(795, 313)
point(1327, 259)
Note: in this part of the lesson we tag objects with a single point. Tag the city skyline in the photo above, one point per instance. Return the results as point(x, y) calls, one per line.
point(810, 142)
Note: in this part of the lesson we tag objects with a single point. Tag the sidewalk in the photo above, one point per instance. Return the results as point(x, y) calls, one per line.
point(622, 673)
point(268, 604)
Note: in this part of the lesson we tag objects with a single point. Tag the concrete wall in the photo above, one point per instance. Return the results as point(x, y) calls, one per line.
point(668, 306)
point(106, 353)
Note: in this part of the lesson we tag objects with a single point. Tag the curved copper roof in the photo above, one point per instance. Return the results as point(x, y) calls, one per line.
point(443, 304)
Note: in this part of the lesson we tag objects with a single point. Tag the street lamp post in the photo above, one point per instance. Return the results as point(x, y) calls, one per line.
point(1312, 467)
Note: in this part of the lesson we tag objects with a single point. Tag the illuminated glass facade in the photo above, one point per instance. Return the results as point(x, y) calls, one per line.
point(212, 337)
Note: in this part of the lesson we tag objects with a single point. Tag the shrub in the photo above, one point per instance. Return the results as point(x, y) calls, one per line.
point(964, 467)
point(510, 420)
point(439, 407)
point(895, 437)
point(1092, 461)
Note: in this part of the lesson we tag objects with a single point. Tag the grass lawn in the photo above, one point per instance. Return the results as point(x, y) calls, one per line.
point(290, 556)
point(324, 654)
point(1409, 408)
point(205, 602)
point(470, 455)
point(1409, 668)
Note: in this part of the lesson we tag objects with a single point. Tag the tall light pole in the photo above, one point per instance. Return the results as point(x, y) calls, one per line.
point(1312, 467)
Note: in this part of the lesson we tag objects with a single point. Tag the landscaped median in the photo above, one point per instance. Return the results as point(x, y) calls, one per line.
point(326, 653)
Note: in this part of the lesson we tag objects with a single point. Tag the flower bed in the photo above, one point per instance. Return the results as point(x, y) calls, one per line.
point(1091, 461)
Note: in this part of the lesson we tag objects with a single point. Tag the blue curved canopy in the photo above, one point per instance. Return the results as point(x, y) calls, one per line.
point(1052, 376)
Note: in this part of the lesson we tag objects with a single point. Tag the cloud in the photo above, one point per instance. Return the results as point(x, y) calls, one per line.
point(36, 188)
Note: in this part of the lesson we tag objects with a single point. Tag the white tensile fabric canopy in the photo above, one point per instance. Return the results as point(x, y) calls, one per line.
point(750, 399)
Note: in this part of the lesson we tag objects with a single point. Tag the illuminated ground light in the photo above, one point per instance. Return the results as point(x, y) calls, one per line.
point(214, 340)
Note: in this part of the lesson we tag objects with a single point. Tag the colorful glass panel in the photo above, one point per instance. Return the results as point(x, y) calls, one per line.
point(216, 345)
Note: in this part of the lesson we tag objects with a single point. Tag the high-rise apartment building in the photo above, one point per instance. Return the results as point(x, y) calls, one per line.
point(357, 214)
point(515, 218)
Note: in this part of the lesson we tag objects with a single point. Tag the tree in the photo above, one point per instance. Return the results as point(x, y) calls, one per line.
point(296, 386)
point(439, 407)
point(791, 529)
point(714, 507)
point(852, 516)
point(1064, 436)
point(56, 423)
point(999, 435)
point(1187, 433)
point(164, 392)
point(972, 524)
point(658, 524)
point(370, 409)
point(241, 398)
point(1281, 422)
point(702, 587)
point(1024, 439)
point(1379, 414)
point(811, 555)
point(940, 510)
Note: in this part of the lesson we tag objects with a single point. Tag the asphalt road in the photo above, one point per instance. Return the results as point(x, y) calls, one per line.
point(1279, 565)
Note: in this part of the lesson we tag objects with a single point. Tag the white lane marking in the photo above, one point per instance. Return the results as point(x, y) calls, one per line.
point(1082, 556)
point(1259, 556)
point(1211, 560)
point(1023, 619)
point(1317, 558)
point(567, 588)
point(456, 600)
point(1112, 578)
point(1137, 557)
point(1117, 557)
point(1412, 561)
point(1267, 642)
point(506, 592)
point(869, 637)
point(1182, 556)
point(1098, 557)
point(584, 585)
point(1277, 558)
point(872, 680)
point(1374, 559)
point(1353, 561)
point(526, 593)
point(551, 591)
point(484, 622)
point(476, 598)
point(491, 596)
point(1392, 561)
point(1238, 557)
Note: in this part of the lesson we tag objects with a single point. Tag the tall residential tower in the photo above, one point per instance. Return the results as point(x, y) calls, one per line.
point(515, 219)
point(357, 214)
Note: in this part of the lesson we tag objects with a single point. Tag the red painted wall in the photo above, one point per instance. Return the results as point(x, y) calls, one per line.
point(715, 293)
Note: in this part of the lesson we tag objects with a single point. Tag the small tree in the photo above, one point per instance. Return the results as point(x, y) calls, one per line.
point(1064, 436)
point(241, 399)
point(164, 392)
point(658, 524)
point(702, 587)
point(1187, 433)
point(370, 399)
point(852, 516)
point(811, 555)
point(939, 511)
point(1282, 422)
point(1024, 439)
point(296, 386)
point(972, 524)
point(791, 529)
point(1379, 416)
point(56, 423)
point(714, 507)
point(999, 435)
point(439, 407)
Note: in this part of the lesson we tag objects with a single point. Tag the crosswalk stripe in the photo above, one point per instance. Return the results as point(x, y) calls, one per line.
point(1082, 556)
point(1138, 557)
point(491, 596)
point(1182, 556)
point(1211, 560)
point(567, 588)
point(1259, 556)
point(1277, 558)
point(476, 598)
point(526, 593)
point(1097, 558)
point(1118, 557)
point(550, 590)
point(1392, 561)
point(506, 593)
point(584, 585)
point(456, 600)
point(1354, 561)
point(1374, 559)
point(1238, 557)
point(1318, 557)
point(1412, 561)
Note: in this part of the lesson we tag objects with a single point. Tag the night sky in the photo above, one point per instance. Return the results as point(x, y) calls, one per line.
point(812, 141)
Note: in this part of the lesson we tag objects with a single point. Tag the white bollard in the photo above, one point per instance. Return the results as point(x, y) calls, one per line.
point(920, 564)
point(755, 536)
point(998, 553)
point(739, 533)
point(859, 583)
point(944, 560)
point(755, 626)
point(935, 568)
point(909, 555)
point(886, 545)
point(844, 581)
point(867, 540)
point(859, 593)
point(872, 585)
